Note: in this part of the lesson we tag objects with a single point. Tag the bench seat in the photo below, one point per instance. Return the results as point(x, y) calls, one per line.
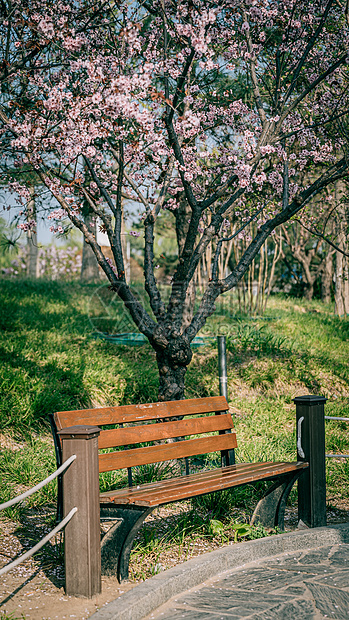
point(185, 487)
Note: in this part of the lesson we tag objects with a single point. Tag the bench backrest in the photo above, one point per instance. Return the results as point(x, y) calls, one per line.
point(144, 430)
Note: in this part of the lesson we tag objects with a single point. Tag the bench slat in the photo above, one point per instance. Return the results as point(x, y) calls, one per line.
point(134, 413)
point(189, 486)
point(252, 473)
point(168, 483)
point(163, 430)
point(166, 452)
point(205, 476)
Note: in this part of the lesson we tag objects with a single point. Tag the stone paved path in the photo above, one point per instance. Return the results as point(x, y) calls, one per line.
point(308, 585)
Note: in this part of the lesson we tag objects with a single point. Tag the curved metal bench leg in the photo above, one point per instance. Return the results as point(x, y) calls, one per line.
point(270, 510)
point(117, 543)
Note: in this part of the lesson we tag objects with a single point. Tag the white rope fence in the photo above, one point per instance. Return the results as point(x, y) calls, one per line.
point(40, 544)
point(48, 536)
point(23, 496)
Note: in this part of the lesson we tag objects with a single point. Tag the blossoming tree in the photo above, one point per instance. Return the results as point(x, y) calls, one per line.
point(220, 112)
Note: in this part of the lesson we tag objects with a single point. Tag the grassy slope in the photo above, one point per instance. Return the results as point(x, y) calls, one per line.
point(50, 362)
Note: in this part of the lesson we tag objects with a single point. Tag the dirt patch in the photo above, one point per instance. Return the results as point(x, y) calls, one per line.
point(35, 589)
point(9, 443)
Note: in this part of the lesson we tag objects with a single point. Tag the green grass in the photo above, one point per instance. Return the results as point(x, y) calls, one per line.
point(181, 534)
point(50, 361)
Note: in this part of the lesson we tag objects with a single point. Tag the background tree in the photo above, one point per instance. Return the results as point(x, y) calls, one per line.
point(318, 241)
point(313, 255)
point(136, 103)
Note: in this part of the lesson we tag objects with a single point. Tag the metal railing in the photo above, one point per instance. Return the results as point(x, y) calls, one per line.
point(58, 527)
point(336, 456)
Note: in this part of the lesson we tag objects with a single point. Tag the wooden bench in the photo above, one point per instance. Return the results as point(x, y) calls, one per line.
point(196, 433)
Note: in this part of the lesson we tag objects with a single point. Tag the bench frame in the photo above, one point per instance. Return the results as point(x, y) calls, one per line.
point(128, 517)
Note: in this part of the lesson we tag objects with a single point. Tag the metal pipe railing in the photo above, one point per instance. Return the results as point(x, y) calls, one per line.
point(336, 456)
point(330, 417)
point(222, 366)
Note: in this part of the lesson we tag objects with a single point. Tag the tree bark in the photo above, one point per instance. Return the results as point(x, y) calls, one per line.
point(327, 277)
point(173, 360)
point(309, 291)
point(182, 224)
point(341, 294)
point(346, 286)
point(338, 292)
point(89, 264)
point(32, 239)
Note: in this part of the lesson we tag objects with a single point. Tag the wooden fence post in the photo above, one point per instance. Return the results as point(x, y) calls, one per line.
point(310, 417)
point(82, 544)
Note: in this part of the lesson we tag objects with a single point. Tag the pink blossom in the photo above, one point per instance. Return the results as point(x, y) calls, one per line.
point(111, 264)
point(57, 214)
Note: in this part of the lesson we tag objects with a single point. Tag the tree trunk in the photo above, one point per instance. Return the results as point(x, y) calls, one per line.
point(189, 305)
point(309, 291)
point(341, 294)
point(346, 286)
point(89, 264)
point(326, 278)
point(172, 363)
point(171, 380)
point(338, 291)
point(182, 215)
point(32, 240)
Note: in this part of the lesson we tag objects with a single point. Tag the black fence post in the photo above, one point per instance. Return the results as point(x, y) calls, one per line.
point(310, 417)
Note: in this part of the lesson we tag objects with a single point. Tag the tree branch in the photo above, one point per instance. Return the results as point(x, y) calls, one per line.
point(307, 50)
point(316, 233)
point(214, 289)
point(255, 87)
point(341, 61)
point(119, 258)
point(130, 181)
point(156, 302)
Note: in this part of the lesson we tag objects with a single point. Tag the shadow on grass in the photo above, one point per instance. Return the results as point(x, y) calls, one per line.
point(46, 353)
point(52, 388)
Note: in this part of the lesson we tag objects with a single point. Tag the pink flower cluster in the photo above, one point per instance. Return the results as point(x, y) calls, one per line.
point(27, 226)
point(144, 90)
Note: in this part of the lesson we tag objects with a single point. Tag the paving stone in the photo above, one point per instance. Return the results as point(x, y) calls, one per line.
point(341, 557)
point(332, 602)
point(287, 558)
point(310, 586)
point(301, 609)
point(194, 614)
point(293, 591)
point(320, 555)
point(241, 602)
point(341, 580)
point(260, 578)
point(309, 569)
